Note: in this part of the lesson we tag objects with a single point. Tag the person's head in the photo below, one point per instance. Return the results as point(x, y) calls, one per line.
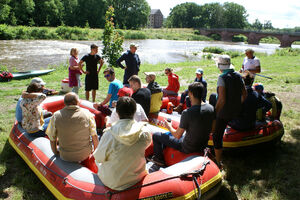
point(135, 82)
point(126, 107)
point(258, 87)
point(249, 53)
point(39, 81)
point(168, 71)
point(199, 73)
point(34, 87)
point(196, 91)
point(248, 78)
point(109, 74)
point(125, 91)
point(133, 47)
point(150, 77)
point(71, 98)
point(74, 52)
point(224, 63)
point(94, 49)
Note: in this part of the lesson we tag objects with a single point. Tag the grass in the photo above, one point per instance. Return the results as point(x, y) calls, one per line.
point(262, 173)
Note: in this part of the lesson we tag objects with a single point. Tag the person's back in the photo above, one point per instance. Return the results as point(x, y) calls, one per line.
point(121, 149)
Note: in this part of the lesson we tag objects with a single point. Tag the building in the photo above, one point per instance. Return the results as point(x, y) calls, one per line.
point(156, 18)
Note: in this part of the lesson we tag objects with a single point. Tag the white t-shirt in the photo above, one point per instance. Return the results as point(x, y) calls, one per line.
point(251, 64)
point(138, 116)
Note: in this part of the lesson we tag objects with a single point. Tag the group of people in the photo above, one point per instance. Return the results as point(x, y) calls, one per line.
point(120, 151)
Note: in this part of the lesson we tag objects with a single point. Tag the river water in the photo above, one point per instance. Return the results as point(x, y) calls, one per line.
point(22, 55)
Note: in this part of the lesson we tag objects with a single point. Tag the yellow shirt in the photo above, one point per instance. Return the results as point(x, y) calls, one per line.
point(156, 102)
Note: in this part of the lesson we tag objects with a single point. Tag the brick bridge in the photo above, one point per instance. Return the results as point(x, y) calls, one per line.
point(286, 39)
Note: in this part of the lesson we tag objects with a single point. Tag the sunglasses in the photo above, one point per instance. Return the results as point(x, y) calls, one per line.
point(107, 75)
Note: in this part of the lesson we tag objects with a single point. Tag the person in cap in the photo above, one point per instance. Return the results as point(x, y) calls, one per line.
point(251, 63)
point(132, 63)
point(156, 92)
point(139, 115)
point(184, 96)
point(114, 86)
point(121, 150)
point(91, 79)
point(231, 93)
point(173, 83)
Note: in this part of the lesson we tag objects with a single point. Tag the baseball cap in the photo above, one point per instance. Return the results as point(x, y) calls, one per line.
point(150, 73)
point(134, 45)
point(199, 71)
point(125, 91)
point(224, 62)
point(38, 81)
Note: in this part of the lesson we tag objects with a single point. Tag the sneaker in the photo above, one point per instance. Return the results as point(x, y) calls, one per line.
point(154, 167)
point(156, 161)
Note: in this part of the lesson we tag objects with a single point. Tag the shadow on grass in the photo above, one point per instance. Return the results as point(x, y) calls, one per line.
point(269, 171)
point(20, 176)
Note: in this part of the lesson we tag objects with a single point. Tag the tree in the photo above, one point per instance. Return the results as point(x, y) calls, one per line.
point(130, 14)
point(257, 25)
point(268, 25)
point(210, 16)
point(69, 16)
point(235, 15)
point(23, 11)
point(48, 12)
point(111, 39)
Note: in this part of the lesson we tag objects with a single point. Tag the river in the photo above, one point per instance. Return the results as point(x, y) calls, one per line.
point(22, 55)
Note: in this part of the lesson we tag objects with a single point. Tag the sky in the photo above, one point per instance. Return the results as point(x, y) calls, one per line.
point(283, 14)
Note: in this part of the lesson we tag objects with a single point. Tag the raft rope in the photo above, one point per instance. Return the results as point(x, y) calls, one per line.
point(195, 174)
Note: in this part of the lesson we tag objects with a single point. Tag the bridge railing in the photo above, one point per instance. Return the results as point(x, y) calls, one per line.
point(252, 31)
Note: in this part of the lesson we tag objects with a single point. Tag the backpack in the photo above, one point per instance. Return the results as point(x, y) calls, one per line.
point(6, 77)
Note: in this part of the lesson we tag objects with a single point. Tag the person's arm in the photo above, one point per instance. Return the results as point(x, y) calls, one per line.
point(121, 59)
point(80, 64)
point(221, 98)
point(52, 134)
point(101, 64)
point(244, 93)
point(177, 133)
point(265, 104)
point(95, 141)
point(26, 95)
point(54, 147)
point(73, 64)
point(106, 100)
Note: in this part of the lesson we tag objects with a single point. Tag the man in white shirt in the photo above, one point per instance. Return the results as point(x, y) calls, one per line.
point(250, 63)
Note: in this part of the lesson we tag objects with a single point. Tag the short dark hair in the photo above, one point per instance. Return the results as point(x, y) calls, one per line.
point(248, 78)
point(71, 98)
point(197, 90)
point(34, 87)
point(110, 70)
point(169, 69)
point(126, 107)
point(136, 79)
point(93, 46)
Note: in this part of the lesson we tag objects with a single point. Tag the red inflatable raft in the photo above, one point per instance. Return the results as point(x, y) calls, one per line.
point(271, 131)
point(68, 180)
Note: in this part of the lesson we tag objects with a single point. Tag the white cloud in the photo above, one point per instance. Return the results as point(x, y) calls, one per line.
point(283, 14)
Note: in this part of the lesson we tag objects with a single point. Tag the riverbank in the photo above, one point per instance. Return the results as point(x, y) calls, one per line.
point(271, 173)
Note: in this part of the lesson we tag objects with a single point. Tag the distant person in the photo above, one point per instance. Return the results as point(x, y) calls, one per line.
point(140, 95)
point(75, 129)
point(156, 92)
point(231, 93)
point(173, 83)
point(91, 79)
point(114, 86)
point(132, 62)
point(250, 63)
point(139, 114)
point(196, 122)
point(122, 148)
point(32, 114)
point(246, 120)
point(184, 96)
point(74, 71)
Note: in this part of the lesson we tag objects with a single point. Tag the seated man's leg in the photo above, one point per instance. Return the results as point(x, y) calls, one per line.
point(183, 96)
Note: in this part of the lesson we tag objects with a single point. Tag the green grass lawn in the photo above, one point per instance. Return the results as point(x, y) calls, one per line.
point(262, 173)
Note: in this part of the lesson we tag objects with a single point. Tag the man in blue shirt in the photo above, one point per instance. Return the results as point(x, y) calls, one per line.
point(132, 62)
point(113, 89)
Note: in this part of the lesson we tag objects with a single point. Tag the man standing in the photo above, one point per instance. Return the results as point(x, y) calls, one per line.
point(73, 127)
point(140, 95)
point(173, 83)
point(250, 63)
point(114, 86)
point(195, 121)
point(91, 79)
point(132, 62)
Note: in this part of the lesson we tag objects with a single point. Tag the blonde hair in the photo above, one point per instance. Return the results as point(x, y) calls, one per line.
point(73, 50)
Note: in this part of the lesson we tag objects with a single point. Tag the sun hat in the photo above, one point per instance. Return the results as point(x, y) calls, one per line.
point(150, 74)
point(199, 71)
point(223, 62)
point(38, 81)
point(125, 91)
point(134, 45)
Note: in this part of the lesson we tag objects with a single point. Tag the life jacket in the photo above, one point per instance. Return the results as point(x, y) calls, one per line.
point(6, 77)
point(275, 112)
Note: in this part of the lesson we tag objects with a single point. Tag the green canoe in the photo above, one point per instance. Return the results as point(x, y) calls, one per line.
point(29, 74)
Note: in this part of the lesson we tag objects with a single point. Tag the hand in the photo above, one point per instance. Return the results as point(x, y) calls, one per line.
point(96, 106)
point(87, 72)
point(167, 124)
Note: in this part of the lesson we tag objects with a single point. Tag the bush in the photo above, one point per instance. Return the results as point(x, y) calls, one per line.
point(216, 50)
point(287, 52)
point(233, 54)
point(135, 35)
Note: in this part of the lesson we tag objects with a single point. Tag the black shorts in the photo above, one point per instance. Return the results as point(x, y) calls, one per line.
point(91, 82)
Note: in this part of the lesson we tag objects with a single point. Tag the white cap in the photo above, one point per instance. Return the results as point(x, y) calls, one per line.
point(224, 62)
point(150, 73)
point(38, 81)
point(134, 45)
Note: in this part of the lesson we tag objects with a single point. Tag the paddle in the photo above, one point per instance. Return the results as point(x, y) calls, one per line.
point(264, 76)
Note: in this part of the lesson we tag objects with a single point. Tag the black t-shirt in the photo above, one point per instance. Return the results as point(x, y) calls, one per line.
point(197, 122)
point(143, 97)
point(91, 63)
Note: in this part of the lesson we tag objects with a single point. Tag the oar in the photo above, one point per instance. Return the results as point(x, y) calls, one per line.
point(264, 76)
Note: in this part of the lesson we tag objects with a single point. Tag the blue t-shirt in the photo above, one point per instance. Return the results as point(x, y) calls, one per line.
point(19, 115)
point(113, 89)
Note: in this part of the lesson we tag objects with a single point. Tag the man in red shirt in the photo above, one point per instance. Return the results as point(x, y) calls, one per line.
point(173, 86)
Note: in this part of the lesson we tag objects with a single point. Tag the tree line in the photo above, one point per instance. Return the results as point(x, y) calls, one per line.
point(129, 14)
